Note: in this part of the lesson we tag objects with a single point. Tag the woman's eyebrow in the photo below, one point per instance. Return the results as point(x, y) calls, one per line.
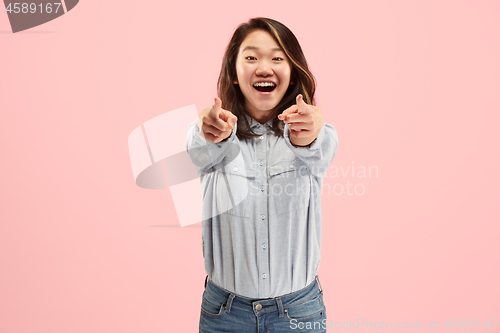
point(256, 48)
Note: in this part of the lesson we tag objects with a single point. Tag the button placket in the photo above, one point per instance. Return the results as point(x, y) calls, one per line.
point(263, 226)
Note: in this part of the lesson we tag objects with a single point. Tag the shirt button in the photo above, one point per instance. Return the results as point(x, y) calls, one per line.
point(235, 169)
point(258, 307)
point(261, 137)
point(264, 246)
point(260, 126)
point(262, 188)
point(290, 166)
point(264, 275)
point(263, 217)
point(261, 163)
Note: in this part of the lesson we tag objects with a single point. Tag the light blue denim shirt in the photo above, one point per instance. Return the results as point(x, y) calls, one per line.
point(261, 228)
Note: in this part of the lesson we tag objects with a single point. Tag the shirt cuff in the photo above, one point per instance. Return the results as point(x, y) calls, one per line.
point(306, 150)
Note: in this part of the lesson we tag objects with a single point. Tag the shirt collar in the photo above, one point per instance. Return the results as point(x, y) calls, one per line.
point(254, 123)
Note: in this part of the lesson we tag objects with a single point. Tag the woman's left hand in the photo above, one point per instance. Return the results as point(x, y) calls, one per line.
point(304, 121)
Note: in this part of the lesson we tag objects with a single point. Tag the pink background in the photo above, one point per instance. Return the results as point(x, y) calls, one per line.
point(411, 86)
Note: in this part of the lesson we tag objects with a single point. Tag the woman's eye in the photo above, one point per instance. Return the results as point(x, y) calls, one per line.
point(278, 59)
point(250, 58)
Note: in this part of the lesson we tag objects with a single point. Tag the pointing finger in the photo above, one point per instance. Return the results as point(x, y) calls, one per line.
point(215, 118)
point(290, 110)
point(216, 108)
point(296, 118)
point(218, 102)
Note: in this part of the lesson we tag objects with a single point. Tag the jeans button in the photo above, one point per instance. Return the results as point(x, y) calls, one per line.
point(258, 307)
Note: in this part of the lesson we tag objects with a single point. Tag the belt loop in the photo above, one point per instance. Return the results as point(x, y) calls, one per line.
point(206, 279)
point(280, 306)
point(229, 302)
point(320, 288)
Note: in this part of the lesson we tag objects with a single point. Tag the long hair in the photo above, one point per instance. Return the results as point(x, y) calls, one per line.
point(230, 93)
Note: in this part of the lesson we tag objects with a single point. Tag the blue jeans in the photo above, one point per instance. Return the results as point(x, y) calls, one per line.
point(301, 311)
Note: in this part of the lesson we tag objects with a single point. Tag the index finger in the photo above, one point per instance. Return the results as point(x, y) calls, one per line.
point(290, 110)
point(216, 108)
point(214, 115)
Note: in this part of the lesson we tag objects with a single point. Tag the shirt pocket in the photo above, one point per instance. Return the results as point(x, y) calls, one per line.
point(233, 185)
point(289, 186)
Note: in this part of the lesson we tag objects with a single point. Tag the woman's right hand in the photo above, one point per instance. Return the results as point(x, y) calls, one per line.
point(215, 123)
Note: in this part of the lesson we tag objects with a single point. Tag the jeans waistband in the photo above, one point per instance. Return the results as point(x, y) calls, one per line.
point(280, 303)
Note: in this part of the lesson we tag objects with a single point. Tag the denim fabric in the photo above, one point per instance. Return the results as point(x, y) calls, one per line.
point(301, 311)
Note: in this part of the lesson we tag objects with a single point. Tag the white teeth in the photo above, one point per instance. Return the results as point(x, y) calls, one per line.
point(264, 84)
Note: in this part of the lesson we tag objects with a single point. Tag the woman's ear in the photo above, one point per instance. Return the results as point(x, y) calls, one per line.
point(235, 81)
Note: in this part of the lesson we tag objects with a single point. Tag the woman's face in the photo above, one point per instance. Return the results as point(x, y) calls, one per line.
point(263, 73)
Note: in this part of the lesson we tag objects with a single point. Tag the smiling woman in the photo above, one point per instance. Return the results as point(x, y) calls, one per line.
point(263, 74)
point(265, 46)
point(262, 247)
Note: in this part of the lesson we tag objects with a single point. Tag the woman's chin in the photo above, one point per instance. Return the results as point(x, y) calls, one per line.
point(261, 110)
point(265, 107)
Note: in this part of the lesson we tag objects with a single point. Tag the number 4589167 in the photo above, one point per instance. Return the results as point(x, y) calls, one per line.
point(32, 8)
point(469, 324)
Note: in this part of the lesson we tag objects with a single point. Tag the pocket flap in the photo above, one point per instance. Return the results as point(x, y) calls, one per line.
point(287, 166)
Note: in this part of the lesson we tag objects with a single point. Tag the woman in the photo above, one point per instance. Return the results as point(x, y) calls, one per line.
point(262, 151)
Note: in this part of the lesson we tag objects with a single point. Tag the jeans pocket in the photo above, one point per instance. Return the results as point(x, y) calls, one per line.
point(306, 311)
point(211, 306)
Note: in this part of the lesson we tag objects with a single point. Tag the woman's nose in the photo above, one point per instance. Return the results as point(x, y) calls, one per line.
point(264, 69)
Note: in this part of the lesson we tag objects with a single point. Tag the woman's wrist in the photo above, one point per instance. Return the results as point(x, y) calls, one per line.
point(305, 146)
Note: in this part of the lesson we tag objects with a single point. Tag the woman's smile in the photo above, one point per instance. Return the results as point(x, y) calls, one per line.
point(264, 86)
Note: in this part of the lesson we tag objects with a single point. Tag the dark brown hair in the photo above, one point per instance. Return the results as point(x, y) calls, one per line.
point(230, 93)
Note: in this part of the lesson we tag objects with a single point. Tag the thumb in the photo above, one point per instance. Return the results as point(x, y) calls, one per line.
point(300, 100)
point(301, 105)
point(217, 104)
